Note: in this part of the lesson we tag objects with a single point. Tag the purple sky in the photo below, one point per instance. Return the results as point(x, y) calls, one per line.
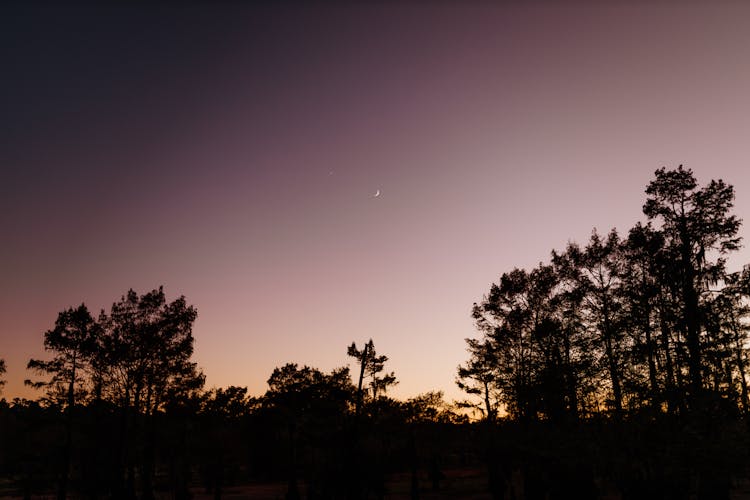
point(231, 154)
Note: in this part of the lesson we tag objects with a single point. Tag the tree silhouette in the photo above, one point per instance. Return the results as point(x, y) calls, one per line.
point(504, 319)
point(145, 357)
point(527, 332)
point(649, 320)
point(726, 337)
point(222, 411)
point(422, 411)
point(640, 289)
point(596, 271)
point(310, 405)
point(652, 297)
point(695, 222)
point(620, 364)
point(147, 348)
point(2, 372)
point(370, 365)
point(734, 309)
point(136, 359)
point(478, 377)
point(72, 340)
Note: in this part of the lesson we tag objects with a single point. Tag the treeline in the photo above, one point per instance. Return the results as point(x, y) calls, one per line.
point(651, 321)
point(124, 414)
point(620, 366)
point(616, 369)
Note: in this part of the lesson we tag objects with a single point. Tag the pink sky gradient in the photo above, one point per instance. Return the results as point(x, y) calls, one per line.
point(198, 155)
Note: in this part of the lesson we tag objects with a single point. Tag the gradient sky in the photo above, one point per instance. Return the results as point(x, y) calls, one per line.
point(231, 154)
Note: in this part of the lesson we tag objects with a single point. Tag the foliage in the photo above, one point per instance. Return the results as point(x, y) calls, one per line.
point(370, 366)
point(620, 324)
point(73, 342)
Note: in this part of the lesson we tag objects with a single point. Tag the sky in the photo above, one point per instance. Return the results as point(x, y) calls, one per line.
point(231, 153)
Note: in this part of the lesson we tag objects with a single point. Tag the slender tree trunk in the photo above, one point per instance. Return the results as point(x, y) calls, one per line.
point(570, 381)
point(730, 378)
point(614, 373)
point(647, 310)
point(414, 464)
point(354, 466)
point(487, 403)
point(654, 386)
point(669, 383)
point(681, 385)
point(122, 446)
point(363, 364)
point(62, 491)
point(650, 358)
point(130, 490)
point(741, 368)
point(147, 468)
point(692, 319)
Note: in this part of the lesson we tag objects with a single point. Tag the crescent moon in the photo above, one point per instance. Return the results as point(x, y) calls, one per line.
point(377, 193)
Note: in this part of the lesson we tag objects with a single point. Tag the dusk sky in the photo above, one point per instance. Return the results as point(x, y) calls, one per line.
point(232, 153)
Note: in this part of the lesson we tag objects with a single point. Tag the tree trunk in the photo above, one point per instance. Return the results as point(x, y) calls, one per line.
point(62, 491)
point(488, 403)
point(414, 466)
point(614, 373)
point(741, 369)
point(669, 379)
point(653, 384)
point(691, 317)
point(363, 364)
point(570, 382)
point(614, 376)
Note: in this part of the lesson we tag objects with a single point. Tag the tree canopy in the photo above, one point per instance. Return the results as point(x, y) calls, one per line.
point(650, 320)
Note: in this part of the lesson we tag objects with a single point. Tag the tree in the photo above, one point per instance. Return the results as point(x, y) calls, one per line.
point(478, 377)
point(426, 411)
point(641, 299)
point(527, 322)
point(147, 350)
point(370, 365)
point(429, 408)
point(303, 393)
point(72, 340)
point(143, 359)
point(655, 317)
point(221, 413)
point(310, 406)
point(596, 271)
point(726, 336)
point(229, 403)
point(504, 317)
point(739, 292)
point(698, 226)
point(579, 352)
point(2, 372)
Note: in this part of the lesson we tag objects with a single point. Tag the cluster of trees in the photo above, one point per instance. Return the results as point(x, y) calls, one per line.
point(130, 362)
point(650, 321)
point(618, 367)
point(124, 414)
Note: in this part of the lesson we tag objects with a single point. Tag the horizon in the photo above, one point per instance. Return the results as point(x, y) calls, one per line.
point(233, 155)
